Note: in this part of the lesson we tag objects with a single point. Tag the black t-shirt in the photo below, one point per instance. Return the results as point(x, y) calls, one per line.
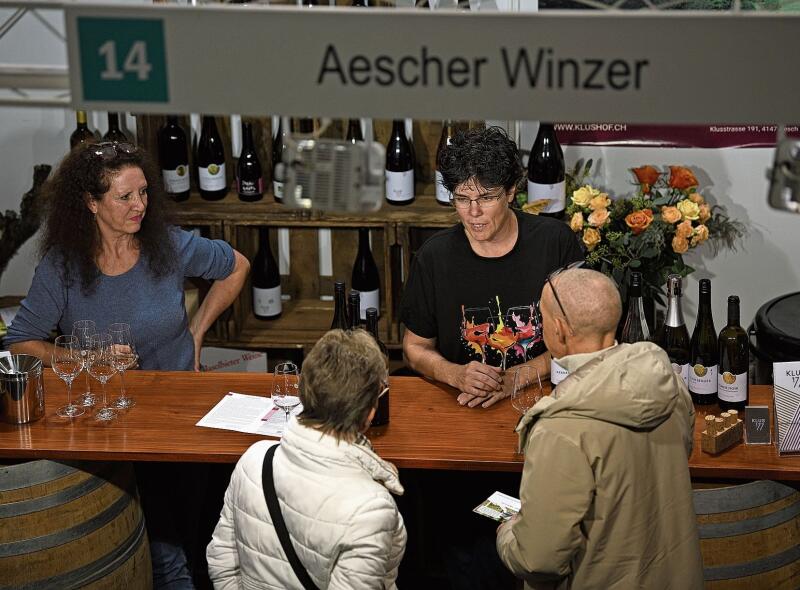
point(478, 307)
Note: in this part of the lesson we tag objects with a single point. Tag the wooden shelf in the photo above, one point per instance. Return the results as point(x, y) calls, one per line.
point(423, 212)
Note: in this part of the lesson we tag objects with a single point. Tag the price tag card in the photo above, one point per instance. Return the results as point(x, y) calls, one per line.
point(756, 425)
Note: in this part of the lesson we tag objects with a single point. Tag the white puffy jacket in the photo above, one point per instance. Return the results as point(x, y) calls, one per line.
point(334, 496)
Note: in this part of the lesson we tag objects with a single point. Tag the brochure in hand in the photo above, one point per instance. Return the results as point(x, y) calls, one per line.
point(499, 507)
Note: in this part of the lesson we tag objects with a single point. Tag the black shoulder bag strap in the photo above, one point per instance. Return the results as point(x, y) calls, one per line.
point(280, 525)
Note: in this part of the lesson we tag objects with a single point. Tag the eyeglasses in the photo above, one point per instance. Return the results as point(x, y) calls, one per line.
point(553, 275)
point(483, 201)
point(111, 149)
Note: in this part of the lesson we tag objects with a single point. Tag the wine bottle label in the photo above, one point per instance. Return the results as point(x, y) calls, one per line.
point(176, 181)
point(557, 372)
point(702, 379)
point(683, 371)
point(212, 178)
point(248, 187)
point(732, 388)
point(267, 302)
point(277, 188)
point(369, 299)
point(554, 193)
point(442, 194)
point(399, 186)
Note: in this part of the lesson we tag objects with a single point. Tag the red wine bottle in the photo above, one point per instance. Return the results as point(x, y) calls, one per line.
point(546, 172)
point(704, 351)
point(114, 133)
point(249, 183)
point(82, 133)
point(443, 196)
point(635, 328)
point(381, 417)
point(354, 309)
point(340, 319)
point(266, 280)
point(278, 149)
point(173, 155)
point(365, 278)
point(399, 166)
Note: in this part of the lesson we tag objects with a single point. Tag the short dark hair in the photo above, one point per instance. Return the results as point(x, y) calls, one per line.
point(70, 230)
point(488, 155)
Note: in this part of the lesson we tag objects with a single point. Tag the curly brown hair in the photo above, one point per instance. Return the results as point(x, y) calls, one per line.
point(70, 230)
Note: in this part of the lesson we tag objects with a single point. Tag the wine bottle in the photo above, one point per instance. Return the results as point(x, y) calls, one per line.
point(704, 351)
point(340, 319)
point(382, 412)
point(365, 277)
point(82, 133)
point(114, 133)
point(266, 280)
point(399, 166)
point(173, 154)
point(546, 173)
point(734, 362)
point(249, 184)
point(354, 132)
point(635, 328)
point(304, 125)
point(557, 373)
point(360, 3)
point(211, 162)
point(278, 148)
point(443, 196)
point(673, 336)
point(354, 309)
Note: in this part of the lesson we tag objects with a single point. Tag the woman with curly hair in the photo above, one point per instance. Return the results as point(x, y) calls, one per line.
point(110, 255)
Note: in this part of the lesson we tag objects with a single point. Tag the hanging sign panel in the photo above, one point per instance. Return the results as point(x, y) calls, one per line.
point(637, 67)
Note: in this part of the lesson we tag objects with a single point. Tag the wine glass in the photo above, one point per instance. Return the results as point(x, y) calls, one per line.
point(475, 328)
point(527, 326)
point(101, 367)
point(285, 387)
point(67, 364)
point(83, 330)
point(123, 356)
point(527, 388)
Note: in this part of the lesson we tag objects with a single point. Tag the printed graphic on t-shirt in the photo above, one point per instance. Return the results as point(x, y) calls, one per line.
point(502, 338)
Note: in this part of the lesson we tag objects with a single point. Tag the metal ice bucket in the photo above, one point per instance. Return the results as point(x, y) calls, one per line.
point(21, 389)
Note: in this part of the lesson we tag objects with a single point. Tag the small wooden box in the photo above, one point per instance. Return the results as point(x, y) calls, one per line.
point(721, 432)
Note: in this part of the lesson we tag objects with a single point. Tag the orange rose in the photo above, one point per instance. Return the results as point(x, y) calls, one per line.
point(680, 245)
point(684, 230)
point(699, 235)
point(638, 221)
point(696, 198)
point(601, 201)
point(576, 223)
point(705, 213)
point(591, 237)
point(681, 178)
point(670, 214)
point(647, 177)
point(599, 218)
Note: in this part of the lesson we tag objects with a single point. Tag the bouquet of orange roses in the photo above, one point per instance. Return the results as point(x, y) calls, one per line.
point(650, 231)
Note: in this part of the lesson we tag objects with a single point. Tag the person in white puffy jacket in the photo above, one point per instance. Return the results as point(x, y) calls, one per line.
point(333, 489)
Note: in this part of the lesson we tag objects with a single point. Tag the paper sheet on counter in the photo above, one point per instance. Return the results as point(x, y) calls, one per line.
point(253, 414)
point(499, 506)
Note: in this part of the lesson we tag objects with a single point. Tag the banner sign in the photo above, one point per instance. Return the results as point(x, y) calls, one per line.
point(632, 67)
point(674, 136)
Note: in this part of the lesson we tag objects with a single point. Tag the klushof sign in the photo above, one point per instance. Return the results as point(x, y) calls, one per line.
point(632, 67)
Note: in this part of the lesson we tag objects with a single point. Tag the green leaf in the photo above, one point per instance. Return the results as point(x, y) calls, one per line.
point(635, 263)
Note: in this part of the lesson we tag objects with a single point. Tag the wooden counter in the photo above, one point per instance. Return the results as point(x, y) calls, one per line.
point(428, 429)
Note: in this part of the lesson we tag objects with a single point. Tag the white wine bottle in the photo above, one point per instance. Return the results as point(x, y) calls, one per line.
point(82, 133)
point(734, 362)
point(365, 278)
point(399, 166)
point(443, 196)
point(557, 373)
point(673, 336)
point(703, 351)
point(546, 172)
point(266, 280)
point(211, 162)
point(173, 155)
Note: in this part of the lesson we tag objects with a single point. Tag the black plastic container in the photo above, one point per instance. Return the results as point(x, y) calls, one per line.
point(775, 336)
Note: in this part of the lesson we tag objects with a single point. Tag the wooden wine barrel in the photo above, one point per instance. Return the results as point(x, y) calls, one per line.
point(65, 526)
point(749, 536)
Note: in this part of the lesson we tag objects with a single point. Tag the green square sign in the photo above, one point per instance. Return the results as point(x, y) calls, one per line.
point(123, 59)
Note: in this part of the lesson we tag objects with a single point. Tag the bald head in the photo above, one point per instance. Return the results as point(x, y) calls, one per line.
point(591, 301)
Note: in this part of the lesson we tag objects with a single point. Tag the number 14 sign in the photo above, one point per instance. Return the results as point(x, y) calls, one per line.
point(122, 59)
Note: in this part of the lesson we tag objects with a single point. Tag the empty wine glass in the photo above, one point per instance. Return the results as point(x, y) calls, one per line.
point(124, 357)
point(285, 387)
point(101, 367)
point(83, 330)
point(527, 388)
point(67, 364)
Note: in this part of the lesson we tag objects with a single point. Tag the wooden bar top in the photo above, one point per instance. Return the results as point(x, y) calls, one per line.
point(428, 428)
